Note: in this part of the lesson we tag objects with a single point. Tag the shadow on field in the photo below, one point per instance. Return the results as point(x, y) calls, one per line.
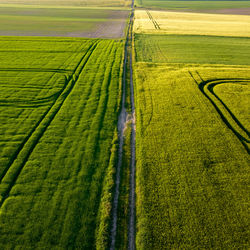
point(227, 116)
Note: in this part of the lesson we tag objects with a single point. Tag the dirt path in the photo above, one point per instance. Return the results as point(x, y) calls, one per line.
point(122, 123)
point(131, 236)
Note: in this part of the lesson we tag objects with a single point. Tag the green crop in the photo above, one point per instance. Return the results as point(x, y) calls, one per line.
point(59, 104)
point(192, 49)
point(192, 156)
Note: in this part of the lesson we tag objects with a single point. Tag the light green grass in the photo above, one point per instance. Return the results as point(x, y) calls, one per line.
point(192, 170)
point(192, 49)
point(192, 5)
point(59, 103)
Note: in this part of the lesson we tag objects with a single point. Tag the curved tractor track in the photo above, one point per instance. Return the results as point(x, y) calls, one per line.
point(227, 116)
point(20, 157)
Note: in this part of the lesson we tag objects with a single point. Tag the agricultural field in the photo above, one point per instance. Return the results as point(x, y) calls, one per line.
point(192, 49)
point(62, 21)
point(192, 156)
point(59, 103)
point(163, 22)
point(192, 130)
point(214, 6)
point(76, 3)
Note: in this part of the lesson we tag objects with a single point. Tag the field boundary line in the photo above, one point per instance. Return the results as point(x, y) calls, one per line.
point(17, 164)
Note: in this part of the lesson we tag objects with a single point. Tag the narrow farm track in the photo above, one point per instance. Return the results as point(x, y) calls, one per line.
point(157, 26)
point(131, 236)
point(122, 123)
point(227, 116)
point(23, 152)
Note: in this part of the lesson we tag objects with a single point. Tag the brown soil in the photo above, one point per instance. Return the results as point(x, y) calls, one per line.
point(113, 28)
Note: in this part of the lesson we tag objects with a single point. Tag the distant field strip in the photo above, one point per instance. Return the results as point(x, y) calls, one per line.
point(195, 49)
point(233, 123)
point(26, 20)
point(75, 3)
point(192, 23)
point(153, 21)
point(193, 5)
point(58, 141)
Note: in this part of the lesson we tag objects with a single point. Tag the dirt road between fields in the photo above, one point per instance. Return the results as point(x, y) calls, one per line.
point(124, 119)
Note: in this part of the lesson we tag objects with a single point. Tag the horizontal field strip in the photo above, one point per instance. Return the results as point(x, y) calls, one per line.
point(227, 116)
point(14, 167)
point(36, 70)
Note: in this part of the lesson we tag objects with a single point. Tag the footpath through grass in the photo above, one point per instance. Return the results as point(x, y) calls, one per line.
point(59, 103)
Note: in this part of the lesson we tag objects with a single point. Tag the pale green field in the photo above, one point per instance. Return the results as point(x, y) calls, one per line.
point(192, 23)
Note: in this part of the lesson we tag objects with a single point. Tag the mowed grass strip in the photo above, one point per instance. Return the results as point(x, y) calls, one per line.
point(192, 23)
point(56, 199)
point(192, 49)
point(192, 171)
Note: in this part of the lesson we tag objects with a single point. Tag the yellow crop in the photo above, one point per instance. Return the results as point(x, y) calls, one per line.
point(192, 23)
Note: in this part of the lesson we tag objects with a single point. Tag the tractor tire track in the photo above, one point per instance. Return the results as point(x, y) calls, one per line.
point(157, 26)
point(206, 88)
point(16, 164)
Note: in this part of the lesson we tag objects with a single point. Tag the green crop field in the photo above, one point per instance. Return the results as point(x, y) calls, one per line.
point(192, 49)
point(192, 156)
point(136, 141)
point(192, 132)
point(59, 102)
point(193, 5)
